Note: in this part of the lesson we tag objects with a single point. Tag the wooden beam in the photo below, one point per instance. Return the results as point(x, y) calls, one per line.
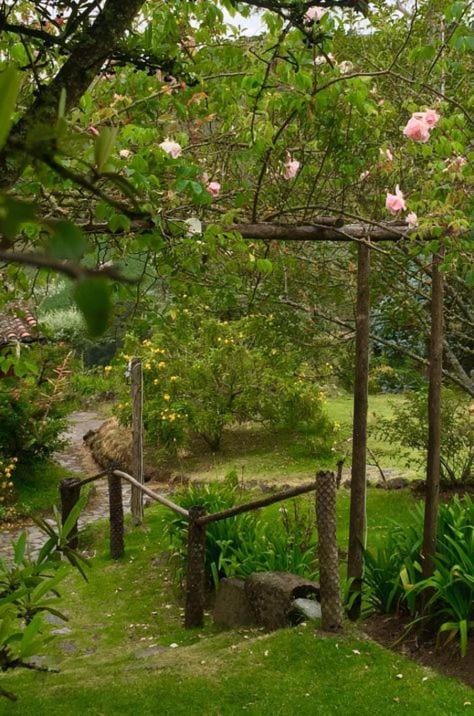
point(435, 373)
point(322, 231)
point(136, 500)
point(355, 559)
point(256, 504)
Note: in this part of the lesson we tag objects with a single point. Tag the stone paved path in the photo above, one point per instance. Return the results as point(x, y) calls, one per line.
point(76, 458)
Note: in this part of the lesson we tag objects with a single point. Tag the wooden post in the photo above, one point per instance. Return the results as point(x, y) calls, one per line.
point(355, 559)
point(136, 500)
point(116, 517)
point(70, 491)
point(196, 570)
point(340, 465)
point(435, 372)
point(331, 609)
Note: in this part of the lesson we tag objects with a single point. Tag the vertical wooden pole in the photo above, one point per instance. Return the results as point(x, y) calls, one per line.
point(355, 559)
point(435, 372)
point(196, 570)
point(136, 503)
point(117, 548)
point(331, 609)
point(70, 491)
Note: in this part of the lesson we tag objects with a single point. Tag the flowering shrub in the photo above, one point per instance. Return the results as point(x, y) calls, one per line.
point(7, 468)
point(201, 378)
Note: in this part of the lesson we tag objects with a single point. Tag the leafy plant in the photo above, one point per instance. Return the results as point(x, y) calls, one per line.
point(241, 545)
point(393, 574)
point(29, 589)
point(409, 426)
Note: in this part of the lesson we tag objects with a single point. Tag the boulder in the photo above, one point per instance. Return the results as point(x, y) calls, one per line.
point(232, 607)
point(303, 609)
point(271, 596)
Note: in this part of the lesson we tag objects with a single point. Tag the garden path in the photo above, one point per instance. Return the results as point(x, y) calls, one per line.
point(76, 458)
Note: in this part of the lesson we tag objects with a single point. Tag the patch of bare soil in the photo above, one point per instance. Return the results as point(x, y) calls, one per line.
point(386, 629)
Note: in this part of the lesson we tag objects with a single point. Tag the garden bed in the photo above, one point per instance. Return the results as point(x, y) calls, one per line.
point(386, 629)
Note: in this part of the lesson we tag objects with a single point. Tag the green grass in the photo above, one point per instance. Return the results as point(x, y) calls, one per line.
point(258, 454)
point(36, 486)
point(133, 604)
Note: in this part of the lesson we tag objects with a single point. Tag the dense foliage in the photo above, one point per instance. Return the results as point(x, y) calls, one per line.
point(239, 546)
point(393, 572)
point(202, 375)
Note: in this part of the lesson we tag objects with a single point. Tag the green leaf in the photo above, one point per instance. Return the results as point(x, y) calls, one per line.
point(9, 87)
point(66, 241)
point(92, 296)
point(103, 146)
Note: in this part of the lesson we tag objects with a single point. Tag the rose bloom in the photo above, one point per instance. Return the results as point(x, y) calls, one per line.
point(172, 148)
point(291, 168)
point(214, 189)
point(314, 13)
point(417, 129)
point(412, 220)
point(395, 203)
point(431, 117)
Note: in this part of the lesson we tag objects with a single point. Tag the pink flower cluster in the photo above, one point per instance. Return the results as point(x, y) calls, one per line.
point(420, 125)
point(314, 14)
point(291, 167)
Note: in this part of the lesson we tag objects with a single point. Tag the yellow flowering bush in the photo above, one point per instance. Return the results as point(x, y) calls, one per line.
point(202, 374)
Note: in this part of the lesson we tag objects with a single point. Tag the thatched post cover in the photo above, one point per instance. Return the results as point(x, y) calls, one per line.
point(69, 492)
point(196, 569)
point(331, 609)
point(116, 517)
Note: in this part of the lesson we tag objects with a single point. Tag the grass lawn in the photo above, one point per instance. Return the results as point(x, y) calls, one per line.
point(118, 657)
point(257, 454)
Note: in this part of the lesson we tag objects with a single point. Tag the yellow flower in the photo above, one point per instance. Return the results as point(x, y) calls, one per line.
point(173, 378)
point(161, 364)
point(107, 368)
point(166, 396)
point(156, 381)
point(147, 366)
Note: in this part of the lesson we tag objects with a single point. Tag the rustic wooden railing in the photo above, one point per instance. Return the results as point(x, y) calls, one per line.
point(324, 486)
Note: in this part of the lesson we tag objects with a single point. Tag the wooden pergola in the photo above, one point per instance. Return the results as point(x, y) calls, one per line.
point(326, 228)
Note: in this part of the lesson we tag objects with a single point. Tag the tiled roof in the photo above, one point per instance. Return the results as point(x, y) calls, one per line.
point(17, 325)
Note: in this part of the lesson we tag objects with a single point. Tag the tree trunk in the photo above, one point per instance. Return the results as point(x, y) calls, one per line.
point(355, 560)
point(433, 467)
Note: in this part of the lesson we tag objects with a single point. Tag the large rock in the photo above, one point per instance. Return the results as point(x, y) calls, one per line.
point(272, 594)
point(232, 607)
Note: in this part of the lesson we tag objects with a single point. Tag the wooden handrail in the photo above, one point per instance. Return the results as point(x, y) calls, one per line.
point(154, 495)
point(256, 504)
point(92, 478)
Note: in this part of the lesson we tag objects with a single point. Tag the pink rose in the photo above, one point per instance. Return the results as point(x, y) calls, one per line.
point(214, 189)
point(395, 203)
point(431, 117)
point(412, 220)
point(172, 148)
point(314, 14)
point(291, 167)
point(94, 131)
point(417, 129)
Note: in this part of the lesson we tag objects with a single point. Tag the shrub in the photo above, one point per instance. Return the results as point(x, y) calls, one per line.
point(393, 574)
point(409, 426)
point(241, 545)
point(32, 407)
point(203, 375)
